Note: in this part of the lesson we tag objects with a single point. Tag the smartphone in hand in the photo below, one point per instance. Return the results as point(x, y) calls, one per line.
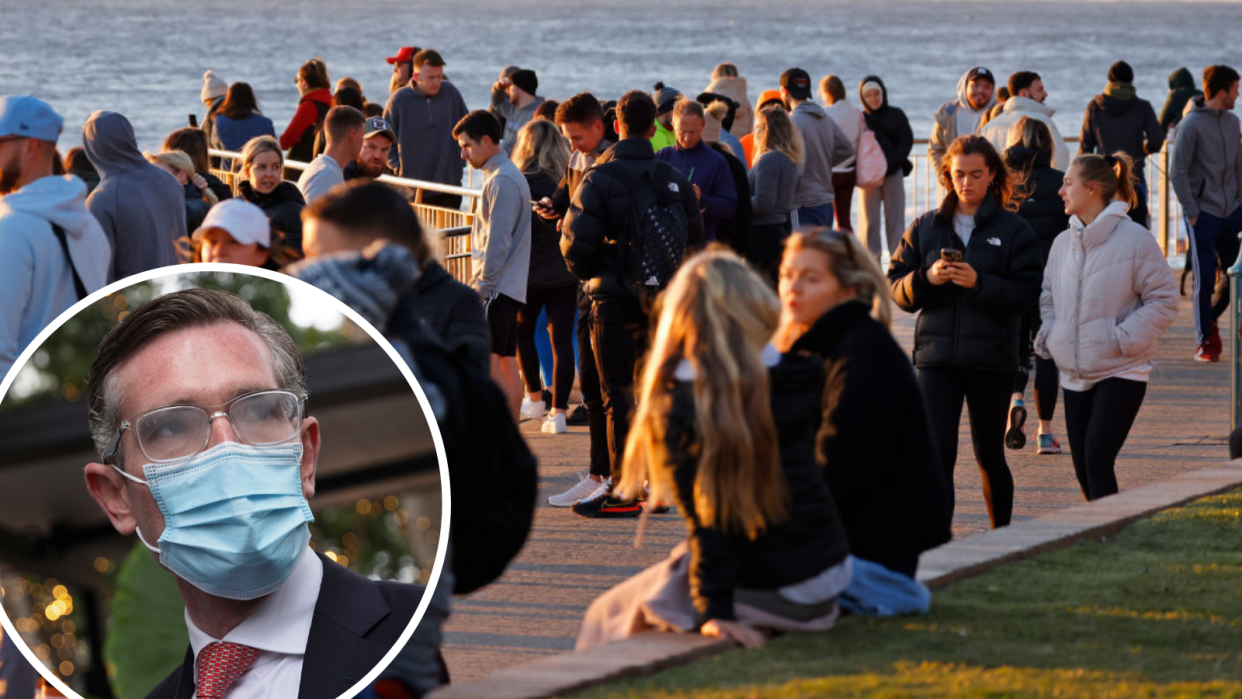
point(951, 255)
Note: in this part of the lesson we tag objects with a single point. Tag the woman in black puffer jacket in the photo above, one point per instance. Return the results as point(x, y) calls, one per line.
point(970, 269)
point(265, 187)
point(1030, 157)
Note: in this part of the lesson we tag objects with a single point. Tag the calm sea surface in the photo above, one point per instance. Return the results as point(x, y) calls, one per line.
point(145, 58)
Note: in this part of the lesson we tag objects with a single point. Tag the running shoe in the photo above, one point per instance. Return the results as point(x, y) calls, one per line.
point(1048, 445)
point(533, 409)
point(555, 424)
point(578, 416)
point(1015, 438)
point(585, 489)
point(1205, 352)
point(608, 506)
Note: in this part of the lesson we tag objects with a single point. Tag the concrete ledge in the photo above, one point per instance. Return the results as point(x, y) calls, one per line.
point(651, 652)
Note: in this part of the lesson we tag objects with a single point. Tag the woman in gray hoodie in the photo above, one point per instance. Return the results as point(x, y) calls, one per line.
point(1108, 296)
point(773, 178)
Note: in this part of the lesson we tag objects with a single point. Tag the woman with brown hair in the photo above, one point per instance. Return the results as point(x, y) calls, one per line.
point(238, 120)
point(313, 105)
point(778, 155)
point(970, 269)
point(725, 429)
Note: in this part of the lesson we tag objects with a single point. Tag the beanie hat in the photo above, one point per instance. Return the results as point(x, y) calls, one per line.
point(213, 87)
point(526, 80)
point(713, 121)
point(871, 85)
point(1121, 72)
point(665, 98)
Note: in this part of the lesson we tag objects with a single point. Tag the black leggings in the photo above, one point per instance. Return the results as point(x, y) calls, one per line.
point(1045, 369)
point(561, 302)
point(987, 400)
point(1097, 422)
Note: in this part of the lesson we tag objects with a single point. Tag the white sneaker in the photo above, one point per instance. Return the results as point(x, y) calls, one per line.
point(533, 409)
point(555, 424)
point(585, 489)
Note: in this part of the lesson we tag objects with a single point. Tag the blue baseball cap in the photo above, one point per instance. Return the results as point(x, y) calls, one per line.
point(27, 116)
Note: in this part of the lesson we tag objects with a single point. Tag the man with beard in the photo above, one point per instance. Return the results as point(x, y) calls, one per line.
point(372, 160)
point(52, 250)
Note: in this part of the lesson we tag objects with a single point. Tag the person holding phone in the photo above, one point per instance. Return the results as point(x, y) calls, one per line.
point(970, 269)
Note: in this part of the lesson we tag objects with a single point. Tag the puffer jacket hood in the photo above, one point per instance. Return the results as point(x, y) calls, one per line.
point(110, 145)
point(1181, 79)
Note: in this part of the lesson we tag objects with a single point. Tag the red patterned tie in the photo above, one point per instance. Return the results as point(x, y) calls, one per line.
point(219, 665)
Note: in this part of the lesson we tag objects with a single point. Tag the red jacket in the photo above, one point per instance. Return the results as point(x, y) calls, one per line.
point(305, 117)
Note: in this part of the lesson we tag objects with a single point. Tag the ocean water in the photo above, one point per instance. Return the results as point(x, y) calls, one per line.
point(145, 58)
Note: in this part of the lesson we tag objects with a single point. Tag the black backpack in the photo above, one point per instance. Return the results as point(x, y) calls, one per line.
point(659, 228)
point(493, 473)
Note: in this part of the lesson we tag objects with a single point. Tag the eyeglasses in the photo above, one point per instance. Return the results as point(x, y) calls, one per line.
point(180, 431)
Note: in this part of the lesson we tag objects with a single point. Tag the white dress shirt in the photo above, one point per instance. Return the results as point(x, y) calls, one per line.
point(278, 629)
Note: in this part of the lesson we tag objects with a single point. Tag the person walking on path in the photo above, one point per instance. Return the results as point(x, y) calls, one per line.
point(892, 493)
point(961, 116)
point(500, 239)
point(727, 81)
point(707, 170)
point(423, 115)
point(726, 430)
point(263, 186)
point(896, 139)
point(1117, 120)
point(140, 208)
point(1108, 296)
point(851, 121)
point(1207, 176)
point(603, 242)
point(313, 104)
point(1181, 90)
point(971, 268)
point(1027, 99)
point(826, 146)
point(52, 251)
point(773, 180)
point(514, 101)
point(345, 127)
point(1029, 157)
point(239, 120)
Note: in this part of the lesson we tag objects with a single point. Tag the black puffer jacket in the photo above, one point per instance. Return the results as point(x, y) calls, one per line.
point(1181, 90)
point(1042, 207)
point(892, 130)
point(891, 493)
point(283, 207)
point(1117, 120)
point(809, 542)
point(596, 230)
point(547, 264)
point(968, 328)
point(454, 312)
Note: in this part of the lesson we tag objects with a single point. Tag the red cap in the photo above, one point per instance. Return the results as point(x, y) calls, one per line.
point(405, 55)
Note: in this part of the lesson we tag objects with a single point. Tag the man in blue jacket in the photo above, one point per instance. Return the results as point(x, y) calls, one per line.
point(706, 169)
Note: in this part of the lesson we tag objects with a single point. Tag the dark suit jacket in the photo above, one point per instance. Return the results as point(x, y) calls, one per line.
point(356, 622)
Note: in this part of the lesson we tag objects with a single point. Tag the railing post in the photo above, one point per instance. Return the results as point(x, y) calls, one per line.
point(1235, 345)
point(1162, 180)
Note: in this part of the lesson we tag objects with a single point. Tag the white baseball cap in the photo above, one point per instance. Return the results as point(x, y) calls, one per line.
point(239, 218)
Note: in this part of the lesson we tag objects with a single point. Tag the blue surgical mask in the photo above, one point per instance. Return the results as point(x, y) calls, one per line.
point(234, 517)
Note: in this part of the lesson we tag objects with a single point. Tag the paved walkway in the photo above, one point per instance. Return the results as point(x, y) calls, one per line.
point(535, 609)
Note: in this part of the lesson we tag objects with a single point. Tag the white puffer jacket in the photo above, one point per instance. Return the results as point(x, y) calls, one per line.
point(1108, 296)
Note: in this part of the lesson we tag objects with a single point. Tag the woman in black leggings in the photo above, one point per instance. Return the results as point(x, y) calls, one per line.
point(970, 269)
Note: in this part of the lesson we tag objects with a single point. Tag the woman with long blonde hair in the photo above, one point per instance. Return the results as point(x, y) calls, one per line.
point(725, 430)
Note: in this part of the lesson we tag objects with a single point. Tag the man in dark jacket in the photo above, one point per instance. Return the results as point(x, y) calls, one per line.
point(595, 239)
point(1117, 120)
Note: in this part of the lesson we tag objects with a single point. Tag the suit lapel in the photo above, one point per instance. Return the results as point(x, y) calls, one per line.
point(337, 652)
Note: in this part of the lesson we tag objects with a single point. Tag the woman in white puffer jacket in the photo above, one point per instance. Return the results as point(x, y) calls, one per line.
point(1108, 296)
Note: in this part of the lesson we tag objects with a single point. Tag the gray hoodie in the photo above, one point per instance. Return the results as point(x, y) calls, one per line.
point(515, 117)
point(140, 207)
point(1207, 162)
point(826, 145)
point(954, 118)
point(425, 148)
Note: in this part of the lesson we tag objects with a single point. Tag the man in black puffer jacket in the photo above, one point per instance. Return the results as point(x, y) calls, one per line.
point(1117, 120)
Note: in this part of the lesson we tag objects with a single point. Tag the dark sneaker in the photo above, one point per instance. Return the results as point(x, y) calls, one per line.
point(608, 506)
point(577, 415)
point(1015, 438)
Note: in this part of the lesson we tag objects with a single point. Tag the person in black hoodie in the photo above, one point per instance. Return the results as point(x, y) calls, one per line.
point(971, 269)
point(892, 493)
point(1117, 120)
point(1029, 157)
point(893, 133)
point(726, 429)
point(1181, 90)
point(264, 186)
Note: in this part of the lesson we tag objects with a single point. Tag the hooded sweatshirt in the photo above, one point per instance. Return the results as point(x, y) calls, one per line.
point(1117, 120)
point(997, 130)
point(735, 89)
point(141, 208)
point(514, 117)
point(954, 118)
point(826, 147)
point(35, 280)
point(1181, 90)
point(425, 148)
point(1207, 162)
point(891, 128)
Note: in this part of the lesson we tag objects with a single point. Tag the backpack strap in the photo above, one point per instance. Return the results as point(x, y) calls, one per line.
point(78, 286)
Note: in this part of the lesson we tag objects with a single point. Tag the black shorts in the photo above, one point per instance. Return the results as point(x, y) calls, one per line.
point(502, 323)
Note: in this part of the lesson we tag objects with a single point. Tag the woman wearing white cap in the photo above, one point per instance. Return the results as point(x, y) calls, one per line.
point(237, 231)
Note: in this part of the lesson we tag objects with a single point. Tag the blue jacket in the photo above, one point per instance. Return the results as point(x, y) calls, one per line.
point(232, 134)
point(710, 171)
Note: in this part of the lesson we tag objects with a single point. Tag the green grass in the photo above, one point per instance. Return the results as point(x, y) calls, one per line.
point(1155, 611)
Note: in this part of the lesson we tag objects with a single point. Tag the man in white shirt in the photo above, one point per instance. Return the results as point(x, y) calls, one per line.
point(344, 127)
point(223, 502)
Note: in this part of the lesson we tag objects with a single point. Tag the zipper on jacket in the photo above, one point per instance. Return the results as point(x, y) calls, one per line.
point(1082, 269)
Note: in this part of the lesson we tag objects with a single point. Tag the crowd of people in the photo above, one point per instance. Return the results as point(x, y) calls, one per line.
point(732, 349)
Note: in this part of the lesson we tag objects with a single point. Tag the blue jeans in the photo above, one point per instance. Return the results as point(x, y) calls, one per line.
point(814, 216)
point(1213, 241)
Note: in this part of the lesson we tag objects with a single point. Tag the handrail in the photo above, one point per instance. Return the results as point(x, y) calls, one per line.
point(386, 179)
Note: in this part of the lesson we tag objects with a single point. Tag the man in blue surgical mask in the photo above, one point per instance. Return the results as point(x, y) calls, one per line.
point(198, 409)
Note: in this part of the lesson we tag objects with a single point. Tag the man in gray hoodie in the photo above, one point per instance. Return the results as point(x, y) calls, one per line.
point(960, 117)
point(140, 206)
point(514, 102)
point(1207, 176)
point(826, 146)
point(422, 115)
